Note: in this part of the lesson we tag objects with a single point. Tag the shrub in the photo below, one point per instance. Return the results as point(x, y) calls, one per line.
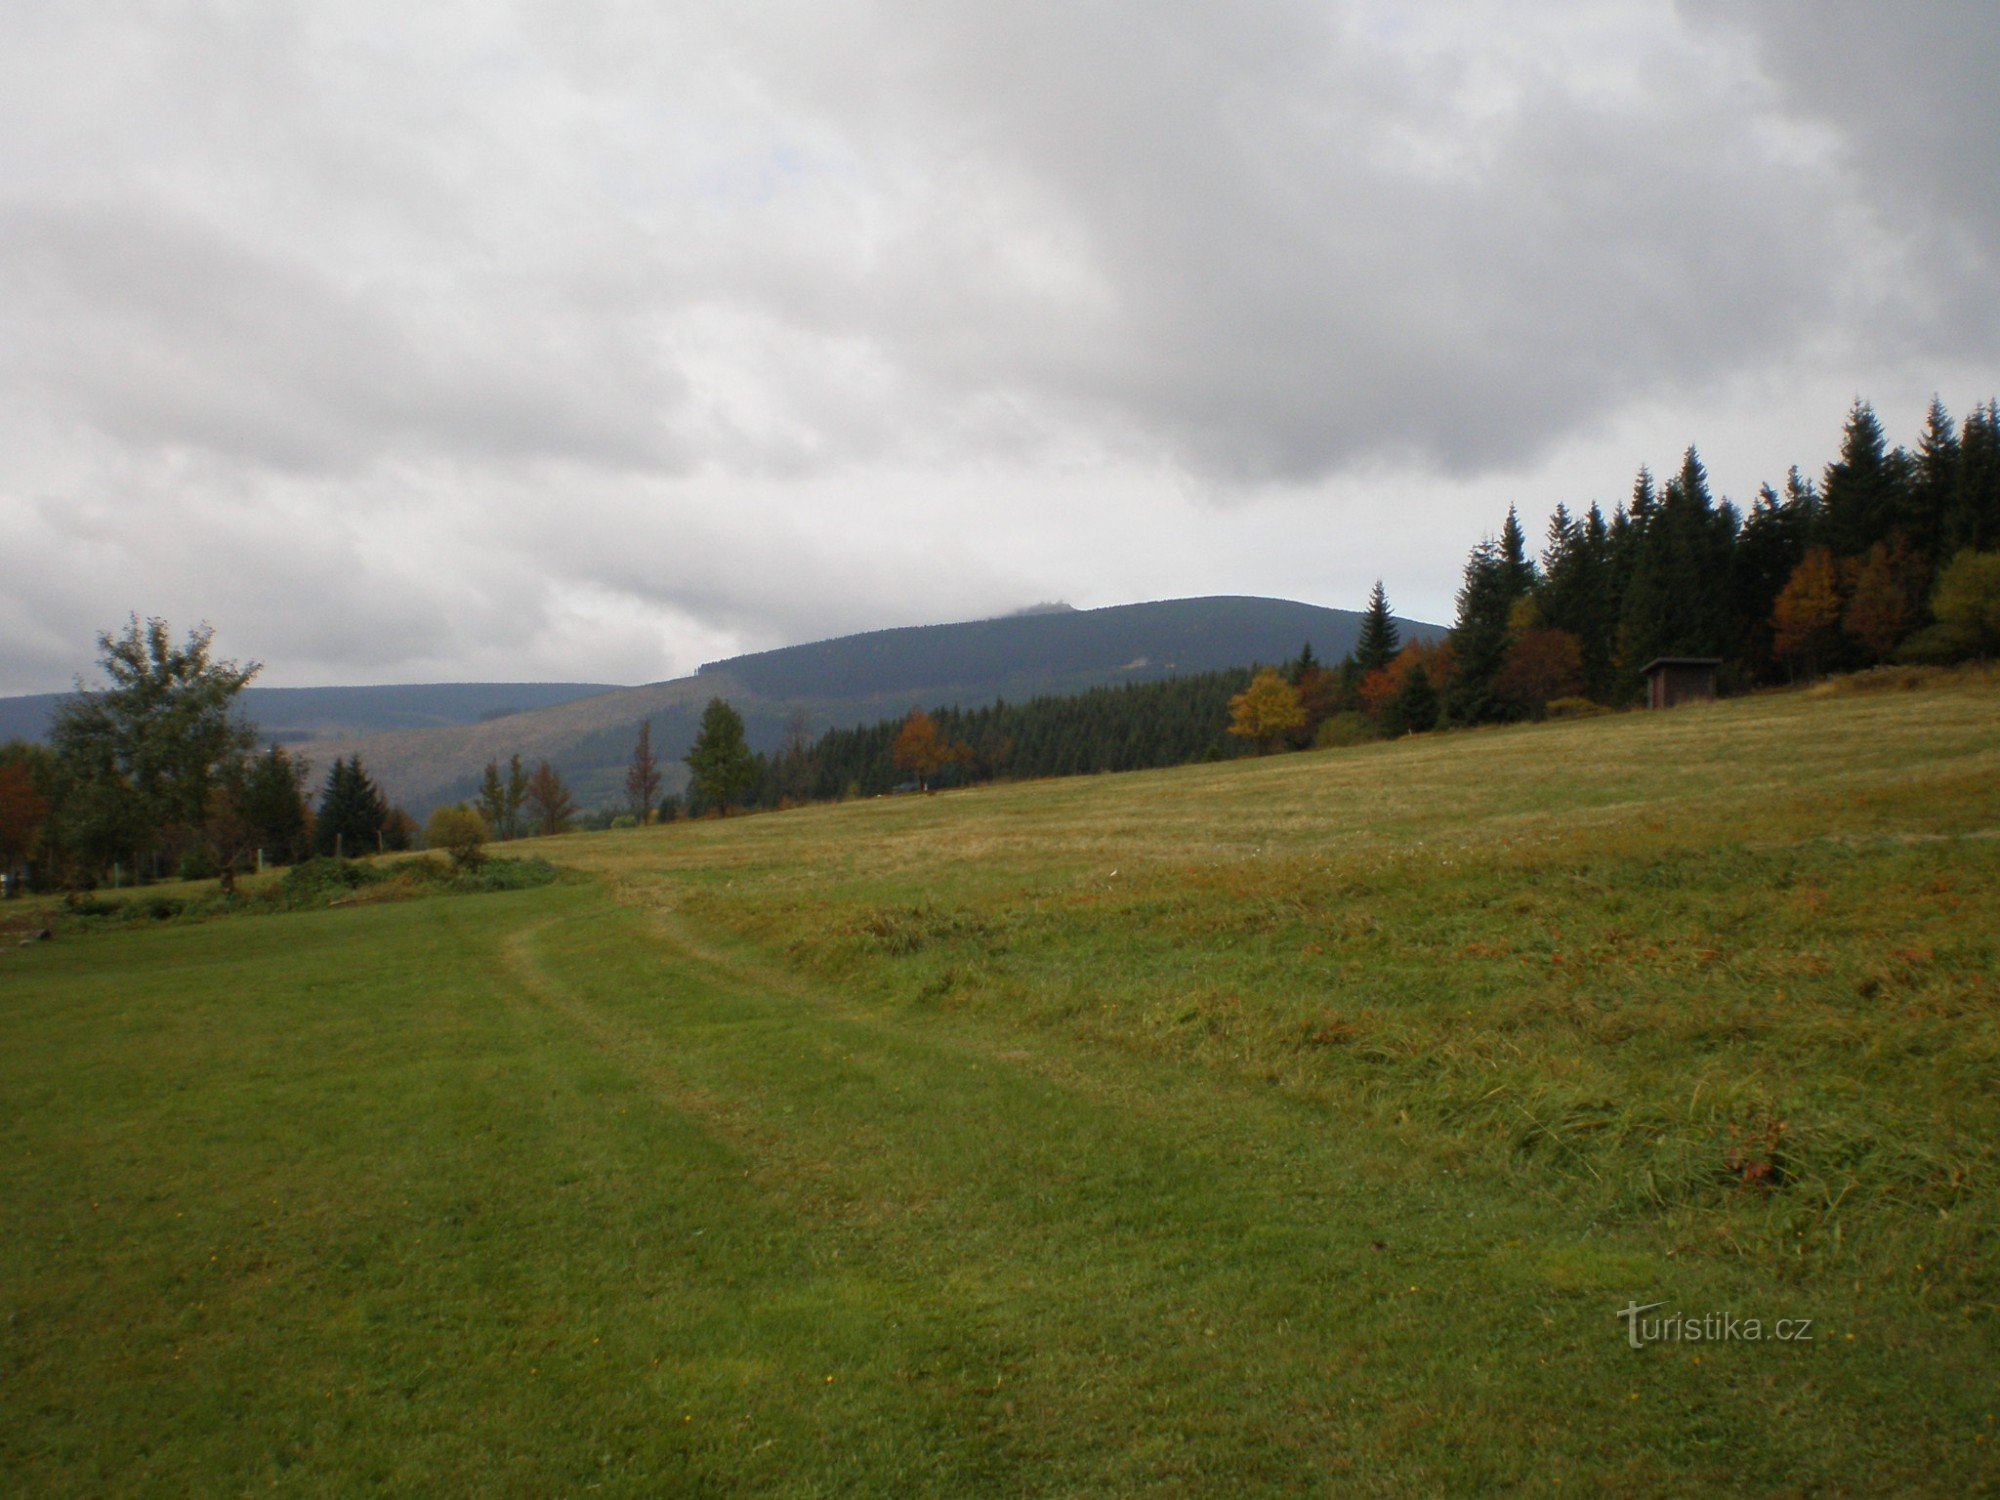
point(507, 875)
point(459, 832)
point(1338, 730)
point(318, 878)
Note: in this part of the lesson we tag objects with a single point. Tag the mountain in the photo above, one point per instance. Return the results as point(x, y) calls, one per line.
point(855, 680)
point(293, 715)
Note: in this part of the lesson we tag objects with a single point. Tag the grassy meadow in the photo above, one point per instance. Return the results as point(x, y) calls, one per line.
point(1287, 1126)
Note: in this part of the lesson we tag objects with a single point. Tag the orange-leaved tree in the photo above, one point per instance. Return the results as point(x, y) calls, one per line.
point(1806, 619)
point(23, 810)
point(922, 751)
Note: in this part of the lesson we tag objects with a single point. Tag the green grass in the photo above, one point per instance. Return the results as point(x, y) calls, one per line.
point(1289, 1126)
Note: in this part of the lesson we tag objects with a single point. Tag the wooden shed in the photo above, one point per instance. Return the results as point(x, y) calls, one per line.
point(1674, 680)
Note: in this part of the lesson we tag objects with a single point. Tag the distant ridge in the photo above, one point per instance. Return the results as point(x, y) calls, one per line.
point(859, 679)
point(292, 715)
point(1052, 651)
point(428, 744)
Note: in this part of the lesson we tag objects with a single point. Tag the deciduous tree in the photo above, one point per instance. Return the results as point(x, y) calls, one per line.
point(1266, 711)
point(460, 832)
point(23, 811)
point(1967, 602)
point(1541, 665)
point(1805, 622)
point(140, 759)
point(1886, 598)
point(922, 751)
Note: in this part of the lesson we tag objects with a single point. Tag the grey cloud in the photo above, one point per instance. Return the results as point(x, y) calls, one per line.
point(410, 336)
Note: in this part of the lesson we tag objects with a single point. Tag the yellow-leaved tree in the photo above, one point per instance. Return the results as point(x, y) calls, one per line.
point(1266, 711)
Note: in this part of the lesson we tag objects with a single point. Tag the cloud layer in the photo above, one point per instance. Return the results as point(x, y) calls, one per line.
point(469, 341)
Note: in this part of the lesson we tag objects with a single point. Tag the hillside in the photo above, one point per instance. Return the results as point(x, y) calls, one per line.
point(1292, 1125)
point(858, 679)
point(292, 715)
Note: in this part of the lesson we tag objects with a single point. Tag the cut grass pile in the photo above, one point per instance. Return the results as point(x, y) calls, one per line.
point(1287, 1126)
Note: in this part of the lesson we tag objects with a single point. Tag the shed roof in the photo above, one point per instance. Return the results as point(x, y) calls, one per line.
point(1680, 661)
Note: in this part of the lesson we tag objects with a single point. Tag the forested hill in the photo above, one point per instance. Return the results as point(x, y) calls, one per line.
point(857, 680)
point(291, 715)
point(1052, 651)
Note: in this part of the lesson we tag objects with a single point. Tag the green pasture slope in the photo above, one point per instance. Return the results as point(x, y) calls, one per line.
point(1293, 1126)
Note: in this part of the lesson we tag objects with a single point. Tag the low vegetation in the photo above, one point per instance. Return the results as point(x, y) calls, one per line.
point(1296, 1123)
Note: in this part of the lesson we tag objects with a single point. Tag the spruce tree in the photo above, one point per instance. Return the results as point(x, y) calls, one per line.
point(720, 761)
point(1972, 521)
point(1518, 568)
point(1414, 709)
point(1933, 485)
point(1379, 641)
point(1676, 601)
point(1479, 636)
point(1863, 488)
point(274, 805)
point(351, 812)
point(492, 801)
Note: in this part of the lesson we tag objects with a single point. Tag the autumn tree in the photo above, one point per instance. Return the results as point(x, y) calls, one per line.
point(1266, 711)
point(1805, 622)
point(720, 762)
point(1966, 603)
point(550, 806)
point(1886, 598)
point(1541, 665)
point(922, 752)
point(23, 812)
point(642, 778)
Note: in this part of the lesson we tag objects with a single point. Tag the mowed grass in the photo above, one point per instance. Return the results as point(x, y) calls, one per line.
point(1295, 1126)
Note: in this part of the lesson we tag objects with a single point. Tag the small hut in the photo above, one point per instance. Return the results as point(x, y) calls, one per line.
point(1674, 680)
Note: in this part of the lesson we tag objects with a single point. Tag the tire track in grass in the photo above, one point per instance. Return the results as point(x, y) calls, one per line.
point(1111, 1255)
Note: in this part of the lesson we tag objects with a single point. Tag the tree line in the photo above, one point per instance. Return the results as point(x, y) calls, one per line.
point(1892, 554)
point(158, 774)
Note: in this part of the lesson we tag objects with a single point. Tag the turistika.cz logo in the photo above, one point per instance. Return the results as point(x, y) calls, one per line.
point(1708, 1328)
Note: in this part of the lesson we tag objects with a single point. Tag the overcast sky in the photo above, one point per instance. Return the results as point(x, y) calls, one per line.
point(406, 342)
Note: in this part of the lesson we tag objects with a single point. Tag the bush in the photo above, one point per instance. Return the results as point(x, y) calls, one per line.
point(507, 875)
point(1338, 730)
point(319, 878)
point(624, 820)
point(459, 832)
point(199, 863)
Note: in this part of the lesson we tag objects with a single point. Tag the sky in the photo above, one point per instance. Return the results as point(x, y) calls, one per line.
point(526, 341)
